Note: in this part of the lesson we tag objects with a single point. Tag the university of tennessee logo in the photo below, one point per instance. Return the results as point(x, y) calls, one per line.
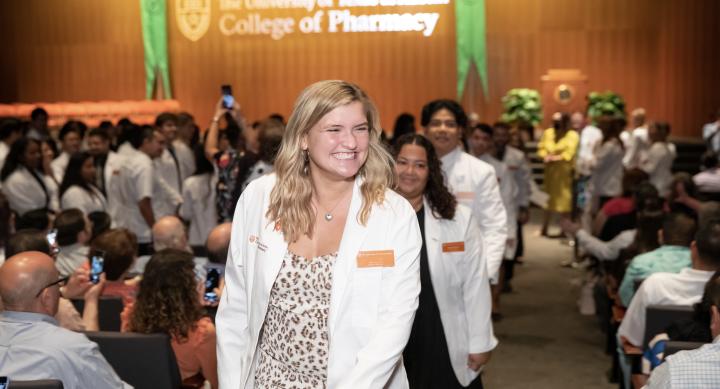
point(193, 17)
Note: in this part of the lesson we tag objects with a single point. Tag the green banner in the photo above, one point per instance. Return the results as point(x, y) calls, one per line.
point(154, 27)
point(471, 44)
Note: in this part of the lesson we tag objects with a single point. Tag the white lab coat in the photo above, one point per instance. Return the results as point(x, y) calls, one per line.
point(185, 157)
point(132, 183)
point(509, 194)
point(474, 183)
point(167, 190)
point(607, 171)
point(658, 164)
point(59, 164)
point(636, 148)
point(518, 165)
point(371, 308)
point(77, 197)
point(461, 287)
point(199, 207)
point(24, 192)
point(111, 171)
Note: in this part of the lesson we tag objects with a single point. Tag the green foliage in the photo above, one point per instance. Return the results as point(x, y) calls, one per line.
point(522, 104)
point(607, 103)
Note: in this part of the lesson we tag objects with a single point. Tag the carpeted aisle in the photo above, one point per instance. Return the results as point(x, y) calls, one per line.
point(544, 341)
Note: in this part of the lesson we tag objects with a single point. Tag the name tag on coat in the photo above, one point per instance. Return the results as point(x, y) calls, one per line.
point(376, 258)
point(453, 247)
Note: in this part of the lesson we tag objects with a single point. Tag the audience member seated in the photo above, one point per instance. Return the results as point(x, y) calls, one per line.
point(100, 223)
point(78, 189)
point(74, 231)
point(621, 205)
point(70, 136)
point(199, 207)
point(77, 286)
point(695, 368)
point(119, 249)
point(672, 256)
point(696, 329)
point(32, 344)
point(38, 219)
point(218, 243)
point(708, 180)
point(683, 288)
point(683, 195)
point(24, 184)
point(173, 305)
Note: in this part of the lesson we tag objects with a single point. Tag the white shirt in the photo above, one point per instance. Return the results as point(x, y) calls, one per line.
point(77, 197)
point(658, 163)
point(70, 258)
point(509, 193)
point(24, 193)
point(166, 195)
point(134, 182)
point(185, 157)
point(474, 184)
point(607, 173)
point(126, 149)
point(605, 251)
point(709, 130)
point(589, 137)
point(4, 150)
point(708, 181)
point(684, 288)
point(59, 165)
point(518, 165)
point(637, 147)
point(199, 207)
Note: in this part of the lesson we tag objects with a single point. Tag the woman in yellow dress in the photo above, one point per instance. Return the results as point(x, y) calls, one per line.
point(557, 147)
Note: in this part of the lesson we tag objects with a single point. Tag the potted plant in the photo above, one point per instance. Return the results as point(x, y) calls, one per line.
point(607, 103)
point(522, 105)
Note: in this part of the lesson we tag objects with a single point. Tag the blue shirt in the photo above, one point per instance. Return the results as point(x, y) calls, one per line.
point(666, 259)
point(33, 347)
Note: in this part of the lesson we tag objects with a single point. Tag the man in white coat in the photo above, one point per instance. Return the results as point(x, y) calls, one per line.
point(167, 166)
point(107, 162)
point(472, 181)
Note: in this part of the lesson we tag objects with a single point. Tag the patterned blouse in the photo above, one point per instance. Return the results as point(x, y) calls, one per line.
point(294, 343)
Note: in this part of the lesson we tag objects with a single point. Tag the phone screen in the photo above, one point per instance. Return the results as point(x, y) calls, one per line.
point(52, 241)
point(212, 281)
point(4, 381)
point(228, 99)
point(96, 267)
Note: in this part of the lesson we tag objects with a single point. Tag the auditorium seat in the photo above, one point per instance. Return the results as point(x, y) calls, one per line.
point(37, 384)
point(145, 361)
point(659, 317)
point(109, 309)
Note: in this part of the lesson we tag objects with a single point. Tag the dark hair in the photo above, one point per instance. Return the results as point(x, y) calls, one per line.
point(708, 159)
point(202, 165)
point(165, 117)
point(9, 126)
point(167, 304)
point(631, 181)
point(69, 223)
point(27, 240)
point(13, 159)
point(127, 129)
point(51, 144)
point(678, 229)
point(501, 125)
point(453, 106)
point(707, 241)
point(101, 133)
point(72, 126)
point(686, 180)
point(278, 117)
point(404, 124)
point(140, 134)
point(120, 248)
point(184, 118)
point(484, 128)
point(37, 112)
point(36, 219)
point(233, 132)
point(442, 202)
point(73, 174)
point(562, 125)
point(611, 127)
point(101, 222)
point(645, 192)
point(270, 136)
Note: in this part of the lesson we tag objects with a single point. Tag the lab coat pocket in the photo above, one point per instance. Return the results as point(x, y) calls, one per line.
point(452, 263)
point(365, 296)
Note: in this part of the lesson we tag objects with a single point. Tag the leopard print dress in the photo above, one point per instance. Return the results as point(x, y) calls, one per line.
point(294, 342)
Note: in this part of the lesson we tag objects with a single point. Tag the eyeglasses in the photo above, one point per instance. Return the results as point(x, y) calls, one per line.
point(61, 282)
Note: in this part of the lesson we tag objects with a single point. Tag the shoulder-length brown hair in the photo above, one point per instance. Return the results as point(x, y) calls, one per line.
point(290, 199)
point(442, 202)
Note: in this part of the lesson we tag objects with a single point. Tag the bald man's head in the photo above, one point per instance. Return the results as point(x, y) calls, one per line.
point(23, 277)
point(169, 233)
point(218, 243)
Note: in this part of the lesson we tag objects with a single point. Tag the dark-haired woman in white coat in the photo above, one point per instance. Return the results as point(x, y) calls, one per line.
point(452, 335)
point(322, 278)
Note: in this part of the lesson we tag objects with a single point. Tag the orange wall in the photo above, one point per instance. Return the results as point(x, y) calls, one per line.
point(659, 54)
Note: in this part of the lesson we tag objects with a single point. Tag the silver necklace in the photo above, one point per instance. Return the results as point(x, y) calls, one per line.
point(328, 214)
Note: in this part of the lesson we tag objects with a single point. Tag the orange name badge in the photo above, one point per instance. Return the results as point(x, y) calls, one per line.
point(453, 247)
point(465, 195)
point(376, 258)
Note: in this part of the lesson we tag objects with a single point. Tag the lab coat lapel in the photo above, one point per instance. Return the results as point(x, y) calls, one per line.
point(432, 241)
point(352, 239)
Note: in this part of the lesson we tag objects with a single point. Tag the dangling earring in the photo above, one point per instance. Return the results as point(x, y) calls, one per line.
point(306, 159)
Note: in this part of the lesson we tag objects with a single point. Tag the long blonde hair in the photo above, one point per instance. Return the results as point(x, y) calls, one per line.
point(290, 200)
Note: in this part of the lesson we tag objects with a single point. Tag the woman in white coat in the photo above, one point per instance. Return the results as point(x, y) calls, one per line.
point(660, 157)
point(25, 185)
point(452, 335)
point(322, 278)
point(78, 189)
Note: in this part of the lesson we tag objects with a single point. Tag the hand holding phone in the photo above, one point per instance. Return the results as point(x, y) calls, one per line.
point(227, 97)
point(212, 281)
point(52, 241)
point(97, 263)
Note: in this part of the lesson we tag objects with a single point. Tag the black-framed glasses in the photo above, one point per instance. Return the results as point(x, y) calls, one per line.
point(61, 281)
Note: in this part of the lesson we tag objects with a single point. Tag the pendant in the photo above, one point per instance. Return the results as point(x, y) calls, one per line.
point(328, 217)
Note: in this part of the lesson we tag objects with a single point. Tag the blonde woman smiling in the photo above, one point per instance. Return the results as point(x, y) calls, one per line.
point(322, 279)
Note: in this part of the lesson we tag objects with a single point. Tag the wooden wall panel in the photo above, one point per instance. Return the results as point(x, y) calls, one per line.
point(659, 54)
